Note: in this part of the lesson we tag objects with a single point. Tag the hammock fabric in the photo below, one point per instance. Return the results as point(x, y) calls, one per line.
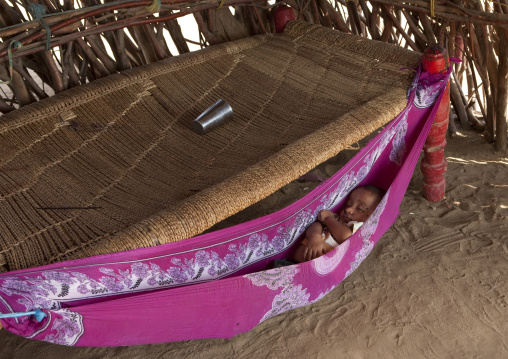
point(144, 295)
point(115, 165)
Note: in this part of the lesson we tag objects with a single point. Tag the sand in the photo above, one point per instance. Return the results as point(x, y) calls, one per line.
point(435, 285)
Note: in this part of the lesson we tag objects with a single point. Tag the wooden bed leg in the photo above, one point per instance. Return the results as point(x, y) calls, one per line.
point(434, 164)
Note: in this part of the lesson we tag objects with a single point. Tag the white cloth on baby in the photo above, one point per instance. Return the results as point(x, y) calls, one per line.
point(355, 226)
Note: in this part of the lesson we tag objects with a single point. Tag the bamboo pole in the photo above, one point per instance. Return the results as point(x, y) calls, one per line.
point(132, 51)
point(249, 15)
point(32, 84)
point(400, 29)
point(152, 39)
point(502, 92)
point(354, 16)
point(54, 72)
point(471, 118)
point(108, 63)
point(5, 107)
point(144, 43)
point(477, 93)
point(442, 32)
point(452, 46)
point(326, 13)
point(373, 30)
point(212, 38)
point(458, 104)
point(337, 18)
point(20, 89)
point(119, 50)
point(427, 29)
point(261, 22)
point(159, 37)
point(414, 28)
point(387, 31)
point(69, 61)
point(176, 34)
point(315, 11)
point(102, 70)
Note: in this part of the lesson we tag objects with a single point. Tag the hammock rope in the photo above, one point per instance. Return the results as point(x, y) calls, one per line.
point(38, 314)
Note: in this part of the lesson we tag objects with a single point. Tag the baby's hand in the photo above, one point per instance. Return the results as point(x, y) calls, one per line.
point(322, 215)
point(313, 250)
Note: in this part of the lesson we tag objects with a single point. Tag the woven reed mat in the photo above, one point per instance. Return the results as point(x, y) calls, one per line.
point(115, 164)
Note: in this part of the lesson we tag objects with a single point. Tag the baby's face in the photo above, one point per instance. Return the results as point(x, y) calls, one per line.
point(359, 206)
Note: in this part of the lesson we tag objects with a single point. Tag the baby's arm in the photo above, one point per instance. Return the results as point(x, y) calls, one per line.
point(313, 246)
point(339, 231)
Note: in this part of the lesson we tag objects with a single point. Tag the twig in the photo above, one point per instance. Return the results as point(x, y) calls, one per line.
point(323, 9)
point(374, 30)
point(337, 18)
point(18, 65)
point(475, 83)
point(260, 20)
point(176, 34)
point(91, 57)
point(353, 14)
point(105, 59)
point(458, 103)
point(400, 29)
point(387, 31)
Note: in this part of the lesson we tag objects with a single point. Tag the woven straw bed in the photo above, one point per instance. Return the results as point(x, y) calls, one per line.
point(115, 164)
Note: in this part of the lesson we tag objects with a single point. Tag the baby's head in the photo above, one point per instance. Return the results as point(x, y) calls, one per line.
point(361, 203)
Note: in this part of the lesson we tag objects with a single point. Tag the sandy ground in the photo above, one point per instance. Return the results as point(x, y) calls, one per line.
point(435, 286)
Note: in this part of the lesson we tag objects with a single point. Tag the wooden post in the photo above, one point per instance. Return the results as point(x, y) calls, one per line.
point(434, 164)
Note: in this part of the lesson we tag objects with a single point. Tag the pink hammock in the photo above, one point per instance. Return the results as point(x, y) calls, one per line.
point(215, 285)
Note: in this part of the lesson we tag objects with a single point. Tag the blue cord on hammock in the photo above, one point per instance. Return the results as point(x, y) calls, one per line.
point(39, 315)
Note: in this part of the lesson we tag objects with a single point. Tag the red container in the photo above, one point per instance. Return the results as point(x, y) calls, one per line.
point(281, 16)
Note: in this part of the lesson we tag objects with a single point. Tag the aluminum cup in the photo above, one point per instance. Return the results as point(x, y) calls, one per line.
point(213, 116)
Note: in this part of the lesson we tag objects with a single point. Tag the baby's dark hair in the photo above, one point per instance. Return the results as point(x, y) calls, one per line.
point(376, 191)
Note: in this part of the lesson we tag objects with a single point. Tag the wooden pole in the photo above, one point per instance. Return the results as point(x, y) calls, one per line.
point(434, 164)
point(502, 92)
